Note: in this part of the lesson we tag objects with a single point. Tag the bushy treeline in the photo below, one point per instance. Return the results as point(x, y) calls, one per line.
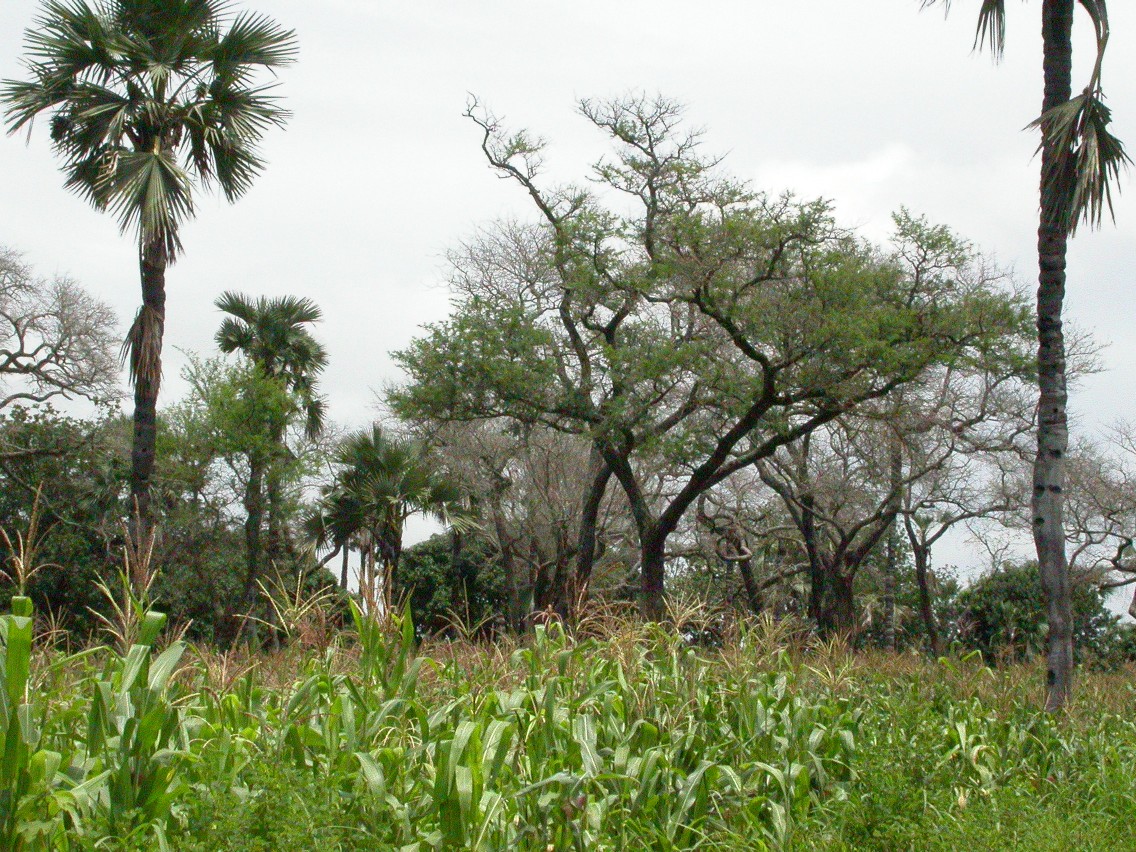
point(705, 394)
point(75, 484)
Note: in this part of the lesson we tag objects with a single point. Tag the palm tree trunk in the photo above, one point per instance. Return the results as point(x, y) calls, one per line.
point(274, 544)
point(1052, 432)
point(146, 366)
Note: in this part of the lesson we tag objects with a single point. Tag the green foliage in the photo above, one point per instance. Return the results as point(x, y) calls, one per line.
point(381, 480)
point(941, 768)
point(1002, 614)
point(470, 591)
point(78, 467)
point(593, 745)
point(273, 335)
point(146, 97)
point(697, 329)
point(105, 760)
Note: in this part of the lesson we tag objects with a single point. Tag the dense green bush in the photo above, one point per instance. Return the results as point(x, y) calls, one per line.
point(1002, 614)
point(466, 588)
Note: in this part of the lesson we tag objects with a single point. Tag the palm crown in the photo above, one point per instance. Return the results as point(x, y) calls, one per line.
point(393, 478)
point(148, 96)
point(1087, 159)
point(273, 334)
point(382, 480)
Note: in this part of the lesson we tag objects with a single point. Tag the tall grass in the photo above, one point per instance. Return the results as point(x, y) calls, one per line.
point(629, 739)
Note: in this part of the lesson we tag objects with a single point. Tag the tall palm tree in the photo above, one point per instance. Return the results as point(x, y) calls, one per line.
point(1080, 165)
point(148, 99)
point(273, 334)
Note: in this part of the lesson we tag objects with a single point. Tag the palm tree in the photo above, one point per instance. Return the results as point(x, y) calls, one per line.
point(335, 521)
point(147, 100)
point(382, 481)
point(1080, 164)
point(273, 334)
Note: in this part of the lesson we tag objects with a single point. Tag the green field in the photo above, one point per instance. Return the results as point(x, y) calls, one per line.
point(632, 740)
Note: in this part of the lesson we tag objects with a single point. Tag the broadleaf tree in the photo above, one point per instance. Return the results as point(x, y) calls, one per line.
point(697, 333)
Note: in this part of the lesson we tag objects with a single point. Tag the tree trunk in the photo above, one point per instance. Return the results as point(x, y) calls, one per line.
point(146, 359)
point(562, 603)
point(926, 610)
point(518, 579)
point(895, 482)
point(652, 575)
point(274, 546)
point(753, 594)
point(343, 569)
point(837, 608)
point(1052, 432)
point(589, 517)
point(817, 573)
point(541, 569)
point(238, 607)
point(891, 564)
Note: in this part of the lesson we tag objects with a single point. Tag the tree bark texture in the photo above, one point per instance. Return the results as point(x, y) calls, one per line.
point(147, 336)
point(254, 516)
point(1052, 432)
point(922, 554)
point(275, 545)
point(589, 518)
point(838, 605)
point(749, 582)
point(891, 565)
point(652, 552)
point(518, 578)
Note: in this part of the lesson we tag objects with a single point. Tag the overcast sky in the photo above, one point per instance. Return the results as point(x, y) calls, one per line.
point(873, 104)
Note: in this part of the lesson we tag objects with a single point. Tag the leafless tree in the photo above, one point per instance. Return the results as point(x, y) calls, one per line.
point(534, 489)
point(1100, 510)
point(56, 340)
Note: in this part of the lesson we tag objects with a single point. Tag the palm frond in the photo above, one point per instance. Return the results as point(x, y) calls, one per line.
point(147, 97)
point(237, 304)
point(142, 349)
point(253, 39)
point(1085, 163)
point(315, 416)
point(232, 336)
point(991, 28)
point(1098, 13)
point(148, 193)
